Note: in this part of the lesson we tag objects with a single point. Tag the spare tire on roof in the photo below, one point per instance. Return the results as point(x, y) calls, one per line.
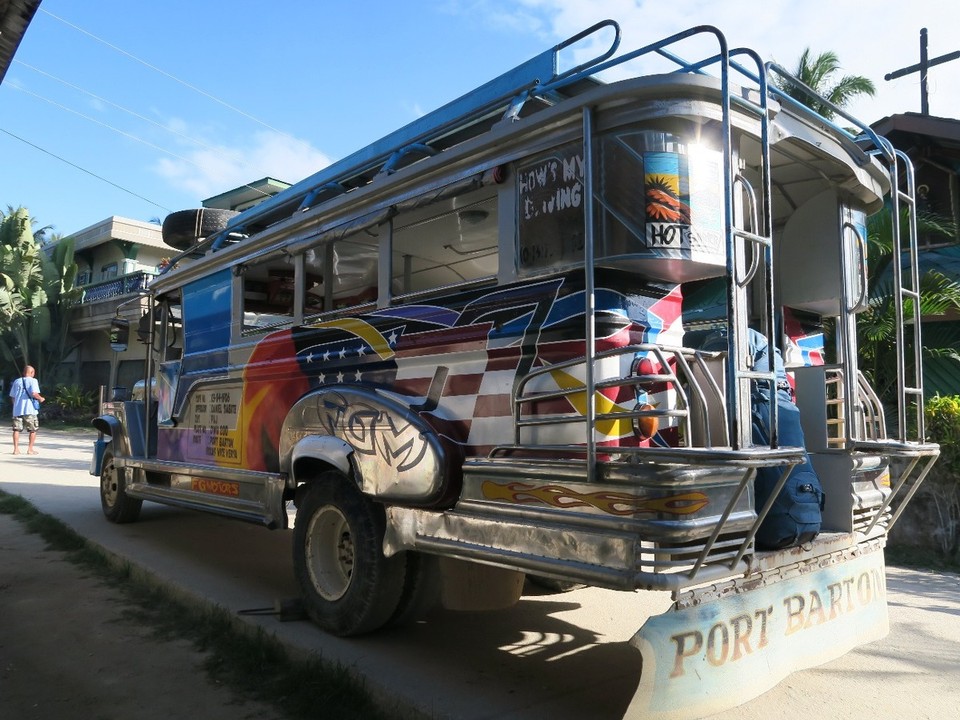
point(185, 228)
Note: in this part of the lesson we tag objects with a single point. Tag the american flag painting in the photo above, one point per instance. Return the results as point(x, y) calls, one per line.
point(458, 366)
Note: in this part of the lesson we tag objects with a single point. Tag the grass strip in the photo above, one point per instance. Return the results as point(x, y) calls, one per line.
point(248, 660)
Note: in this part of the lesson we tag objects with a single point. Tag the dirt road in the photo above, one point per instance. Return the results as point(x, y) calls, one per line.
point(563, 657)
point(68, 653)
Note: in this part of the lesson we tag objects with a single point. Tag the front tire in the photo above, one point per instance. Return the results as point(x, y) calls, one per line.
point(348, 586)
point(117, 505)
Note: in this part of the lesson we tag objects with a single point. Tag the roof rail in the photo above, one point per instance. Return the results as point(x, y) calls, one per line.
point(503, 99)
point(469, 115)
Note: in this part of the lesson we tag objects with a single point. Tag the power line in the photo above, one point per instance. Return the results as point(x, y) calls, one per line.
point(99, 98)
point(215, 151)
point(172, 77)
point(84, 170)
point(106, 125)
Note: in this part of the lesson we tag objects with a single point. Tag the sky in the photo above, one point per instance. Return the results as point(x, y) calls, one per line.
point(112, 107)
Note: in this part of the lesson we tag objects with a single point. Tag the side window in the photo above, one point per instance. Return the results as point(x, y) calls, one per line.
point(315, 297)
point(170, 339)
point(168, 344)
point(108, 271)
point(341, 274)
point(268, 293)
point(449, 242)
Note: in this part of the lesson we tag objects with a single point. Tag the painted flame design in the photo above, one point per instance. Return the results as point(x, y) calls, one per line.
point(613, 503)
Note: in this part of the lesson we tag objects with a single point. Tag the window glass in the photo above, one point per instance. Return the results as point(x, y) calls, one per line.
point(108, 271)
point(341, 274)
point(268, 289)
point(550, 208)
point(661, 194)
point(445, 243)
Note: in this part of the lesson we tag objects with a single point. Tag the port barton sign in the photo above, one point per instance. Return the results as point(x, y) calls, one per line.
point(711, 657)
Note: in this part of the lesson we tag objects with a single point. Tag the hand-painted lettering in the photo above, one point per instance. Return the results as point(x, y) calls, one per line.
point(728, 640)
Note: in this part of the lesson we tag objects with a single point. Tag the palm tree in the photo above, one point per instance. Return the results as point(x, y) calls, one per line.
point(40, 234)
point(60, 274)
point(36, 293)
point(818, 73)
point(876, 326)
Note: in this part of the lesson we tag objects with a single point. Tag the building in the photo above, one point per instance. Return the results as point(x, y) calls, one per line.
point(933, 145)
point(116, 260)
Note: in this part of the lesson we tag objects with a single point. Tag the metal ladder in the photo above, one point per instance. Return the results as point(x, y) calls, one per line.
point(906, 291)
point(906, 300)
point(759, 237)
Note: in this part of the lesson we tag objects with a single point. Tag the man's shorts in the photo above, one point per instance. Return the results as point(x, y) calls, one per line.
point(30, 422)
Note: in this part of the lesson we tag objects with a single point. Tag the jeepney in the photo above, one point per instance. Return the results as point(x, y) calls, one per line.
point(469, 352)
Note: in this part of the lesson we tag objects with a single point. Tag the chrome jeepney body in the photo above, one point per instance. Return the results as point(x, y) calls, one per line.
point(479, 323)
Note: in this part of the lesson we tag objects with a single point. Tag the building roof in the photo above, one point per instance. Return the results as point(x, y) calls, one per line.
point(118, 228)
point(924, 138)
point(246, 195)
point(916, 124)
point(15, 16)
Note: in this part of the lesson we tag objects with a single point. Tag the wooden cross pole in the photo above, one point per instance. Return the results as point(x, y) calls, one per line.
point(922, 67)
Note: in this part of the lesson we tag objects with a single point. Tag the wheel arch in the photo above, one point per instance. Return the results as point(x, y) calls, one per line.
point(392, 453)
point(113, 438)
point(107, 425)
point(315, 454)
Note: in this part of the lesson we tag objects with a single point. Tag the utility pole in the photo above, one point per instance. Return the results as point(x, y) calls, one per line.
point(922, 67)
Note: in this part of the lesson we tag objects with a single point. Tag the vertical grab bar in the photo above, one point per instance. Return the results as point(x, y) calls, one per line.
point(589, 300)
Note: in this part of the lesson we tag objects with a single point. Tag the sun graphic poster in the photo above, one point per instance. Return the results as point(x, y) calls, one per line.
point(667, 200)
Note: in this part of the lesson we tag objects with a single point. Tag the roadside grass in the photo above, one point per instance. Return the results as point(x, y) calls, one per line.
point(247, 660)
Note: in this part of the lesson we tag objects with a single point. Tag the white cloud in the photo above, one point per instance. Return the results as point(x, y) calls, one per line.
point(214, 169)
point(870, 41)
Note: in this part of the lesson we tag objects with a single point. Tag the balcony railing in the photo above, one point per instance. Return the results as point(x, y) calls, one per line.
point(115, 287)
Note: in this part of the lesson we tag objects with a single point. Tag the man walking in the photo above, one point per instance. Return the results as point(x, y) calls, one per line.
point(26, 398)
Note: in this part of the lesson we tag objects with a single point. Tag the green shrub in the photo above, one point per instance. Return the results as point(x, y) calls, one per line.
point(942, 414)
point(74, 398)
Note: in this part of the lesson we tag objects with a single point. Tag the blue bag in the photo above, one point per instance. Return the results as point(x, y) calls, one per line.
point(795, 516)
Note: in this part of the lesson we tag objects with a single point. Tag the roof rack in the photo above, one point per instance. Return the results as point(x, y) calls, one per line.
point(468, 116)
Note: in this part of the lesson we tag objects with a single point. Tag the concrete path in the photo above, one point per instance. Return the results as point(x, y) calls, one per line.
point(562, 657)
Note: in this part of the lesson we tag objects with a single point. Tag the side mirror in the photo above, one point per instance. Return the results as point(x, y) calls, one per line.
point(119, 334)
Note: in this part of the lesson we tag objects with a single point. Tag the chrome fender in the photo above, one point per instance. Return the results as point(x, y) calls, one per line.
point(113, 428)
point(394, 452)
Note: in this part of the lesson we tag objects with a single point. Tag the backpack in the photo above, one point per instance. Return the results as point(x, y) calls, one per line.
point(796, 515)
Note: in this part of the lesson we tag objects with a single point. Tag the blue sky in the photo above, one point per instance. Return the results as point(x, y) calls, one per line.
point(169, 103)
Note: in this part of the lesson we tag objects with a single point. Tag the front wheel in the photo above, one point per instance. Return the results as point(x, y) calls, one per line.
point(117, 505)
point(348, 586)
